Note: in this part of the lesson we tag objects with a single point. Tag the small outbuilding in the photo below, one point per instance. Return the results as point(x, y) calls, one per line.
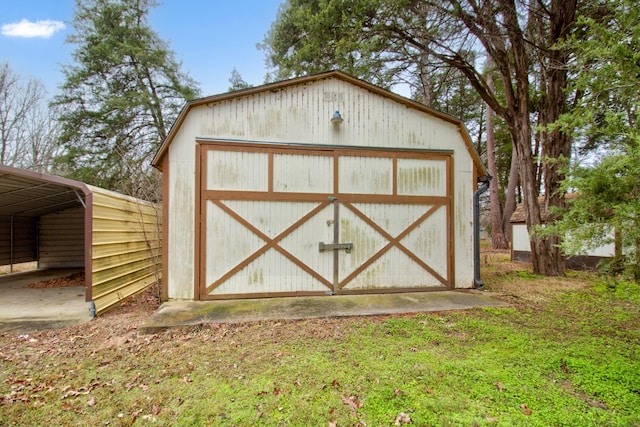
point(62, 223)
point(521, 242)
point(318, 185)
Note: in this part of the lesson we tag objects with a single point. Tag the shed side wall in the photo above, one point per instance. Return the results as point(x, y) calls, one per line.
point(520, 238)
point(181, 199)
point(126, 247)
point(463, 183)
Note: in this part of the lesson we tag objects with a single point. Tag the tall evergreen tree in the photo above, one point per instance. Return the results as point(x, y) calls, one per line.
point(312, 36)
point(237, 82)
point(606, 119)
point(120, 96)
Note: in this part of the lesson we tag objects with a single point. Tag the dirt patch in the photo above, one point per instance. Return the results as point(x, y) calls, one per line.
point(76, 279)
point(515, 283)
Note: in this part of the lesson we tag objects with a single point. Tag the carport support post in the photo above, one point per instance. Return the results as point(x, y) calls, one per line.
point(484, 180)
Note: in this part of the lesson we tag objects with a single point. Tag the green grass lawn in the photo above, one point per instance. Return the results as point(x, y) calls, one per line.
point(564, 353)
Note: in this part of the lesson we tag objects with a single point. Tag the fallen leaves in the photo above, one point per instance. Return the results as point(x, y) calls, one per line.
point(352, 402)
point(82, 391)
point(402, 418)
point(74, 393)
point(25, 390)
point(76, 279)
point(525, 410)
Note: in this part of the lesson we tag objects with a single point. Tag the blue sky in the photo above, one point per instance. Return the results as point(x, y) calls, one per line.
point(209, 37)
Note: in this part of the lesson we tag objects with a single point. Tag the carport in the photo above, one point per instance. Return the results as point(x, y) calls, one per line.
point(61, 223)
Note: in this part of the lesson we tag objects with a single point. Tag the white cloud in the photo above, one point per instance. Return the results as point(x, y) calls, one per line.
point(26, 28)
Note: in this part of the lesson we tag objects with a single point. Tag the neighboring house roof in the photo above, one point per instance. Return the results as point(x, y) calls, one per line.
point(157, 160)
point(520, 214)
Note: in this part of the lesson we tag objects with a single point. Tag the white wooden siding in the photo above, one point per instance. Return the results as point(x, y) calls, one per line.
point(428, 240)
point(228, 242)
point(233, 170)
point(463, 189)
point(268, 243)
point(301, 115)
point(419, 177)
point(298, 173)
point(181, 216)
point(365, 175)
point(394, 269)
point(521, 243)
point(520, 238)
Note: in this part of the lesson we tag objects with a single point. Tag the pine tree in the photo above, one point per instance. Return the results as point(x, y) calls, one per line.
point(605, 122)
point(120, 96)
point(237, 82)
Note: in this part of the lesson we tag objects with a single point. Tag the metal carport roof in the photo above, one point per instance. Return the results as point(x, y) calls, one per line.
point(33, 194)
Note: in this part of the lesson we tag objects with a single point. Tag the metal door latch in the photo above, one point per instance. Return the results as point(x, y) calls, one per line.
point(335, 247)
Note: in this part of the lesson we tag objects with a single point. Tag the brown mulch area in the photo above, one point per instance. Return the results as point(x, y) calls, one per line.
point(76, 279)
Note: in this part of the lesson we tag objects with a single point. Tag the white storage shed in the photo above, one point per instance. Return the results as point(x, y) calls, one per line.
point(521, 242)
point(318, 185)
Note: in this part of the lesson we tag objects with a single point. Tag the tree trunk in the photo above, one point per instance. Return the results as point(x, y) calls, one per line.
point(498, 239)
point(521, 133)
point(542, 250)
point(546, 255)
point(556, 144)
point(424, 80)
point(510, 196)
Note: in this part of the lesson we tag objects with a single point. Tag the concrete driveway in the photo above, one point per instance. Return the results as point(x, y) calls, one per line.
point(27, 309)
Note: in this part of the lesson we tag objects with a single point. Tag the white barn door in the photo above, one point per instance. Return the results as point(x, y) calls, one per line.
point(278, 220)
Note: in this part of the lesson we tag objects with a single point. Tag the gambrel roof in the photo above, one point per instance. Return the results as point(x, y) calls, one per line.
point(272, 87)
